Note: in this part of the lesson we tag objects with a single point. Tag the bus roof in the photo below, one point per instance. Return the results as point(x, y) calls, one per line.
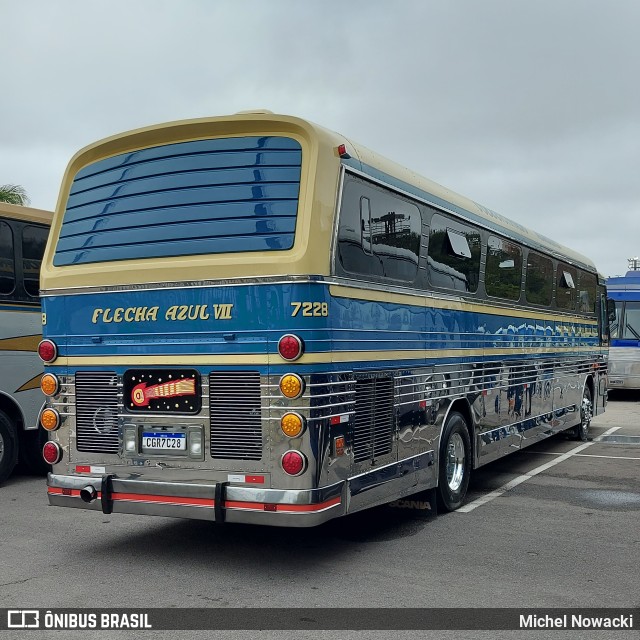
point(629, 282)
point(376, 165)
point(27, 214)
point(321, 140)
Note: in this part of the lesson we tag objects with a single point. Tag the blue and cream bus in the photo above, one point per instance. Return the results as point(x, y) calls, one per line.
point(23, 236)
point(253, 319)
point(624, 312)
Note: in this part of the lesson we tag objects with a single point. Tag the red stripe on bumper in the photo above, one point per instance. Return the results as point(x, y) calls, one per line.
point(267, 506)
point(205, 502)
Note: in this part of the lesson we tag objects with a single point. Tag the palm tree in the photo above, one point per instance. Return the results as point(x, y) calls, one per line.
point(13, 194)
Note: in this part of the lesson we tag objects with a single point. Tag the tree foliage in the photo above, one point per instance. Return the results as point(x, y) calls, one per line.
point(13, 194)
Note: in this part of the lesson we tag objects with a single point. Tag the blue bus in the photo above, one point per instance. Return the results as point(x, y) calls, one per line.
point(251, 318)
point(624, 311)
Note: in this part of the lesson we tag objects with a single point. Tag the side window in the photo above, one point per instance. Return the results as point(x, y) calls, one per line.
point(614, 311)
point(454, 255)
point(587, 292)
point(34, 240)
point(503, 272)
point(631, 321)
point(379, 233)
point(566, 279)
point(7, 265)
point(538, 287)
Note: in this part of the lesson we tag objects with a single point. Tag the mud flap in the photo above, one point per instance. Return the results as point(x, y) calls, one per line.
point(219, 500)
point(106, 494)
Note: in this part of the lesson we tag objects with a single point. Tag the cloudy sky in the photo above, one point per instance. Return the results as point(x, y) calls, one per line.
point(530, 108)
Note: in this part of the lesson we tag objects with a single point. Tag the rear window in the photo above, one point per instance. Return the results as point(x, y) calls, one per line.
point(222, 195)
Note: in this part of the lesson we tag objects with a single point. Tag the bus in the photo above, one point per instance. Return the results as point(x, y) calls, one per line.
point(624, 317)
point(252, 319)
point(23, 236)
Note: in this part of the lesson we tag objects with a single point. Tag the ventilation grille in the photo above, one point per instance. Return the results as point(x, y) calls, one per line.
point(97, 411)
point(373, 426)
point(235, 412)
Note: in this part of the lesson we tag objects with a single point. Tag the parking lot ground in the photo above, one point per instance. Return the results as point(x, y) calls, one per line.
point(566, 536)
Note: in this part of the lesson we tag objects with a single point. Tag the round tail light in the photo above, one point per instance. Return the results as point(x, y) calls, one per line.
point(291, 386)
point(292, 424)
point(52, 453)
point(294, 463)
point(290, 347)
point(50, 419)
point(47, 350)
point(49, 384)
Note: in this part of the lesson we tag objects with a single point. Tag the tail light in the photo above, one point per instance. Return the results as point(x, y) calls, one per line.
point(292, 424)
point(290, 347)
point(294, 463)
point(50, 419)
point(291, 386)
point(47, 350)
point(49, 384)
point(52, 452)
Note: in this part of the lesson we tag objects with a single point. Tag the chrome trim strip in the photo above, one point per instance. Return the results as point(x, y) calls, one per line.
point(199, 284)
point(390, 472)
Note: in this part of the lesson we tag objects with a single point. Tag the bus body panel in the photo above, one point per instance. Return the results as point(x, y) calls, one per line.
point(23, 233)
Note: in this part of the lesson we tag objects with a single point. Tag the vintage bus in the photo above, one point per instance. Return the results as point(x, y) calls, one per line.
point(23, 236)
point(252, 319)
point(624, 312)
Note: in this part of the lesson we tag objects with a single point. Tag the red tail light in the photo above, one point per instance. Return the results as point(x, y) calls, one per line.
point(47, 351)
point(294, 463)
point(52, 452)
point(290, 347)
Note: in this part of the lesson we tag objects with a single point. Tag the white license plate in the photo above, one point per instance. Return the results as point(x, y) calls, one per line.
point(164, 441)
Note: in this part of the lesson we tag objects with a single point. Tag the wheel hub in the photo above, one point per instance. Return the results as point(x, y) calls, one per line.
point(455, 462)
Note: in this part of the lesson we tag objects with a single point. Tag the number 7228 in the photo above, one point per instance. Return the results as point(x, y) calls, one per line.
point(310, 309)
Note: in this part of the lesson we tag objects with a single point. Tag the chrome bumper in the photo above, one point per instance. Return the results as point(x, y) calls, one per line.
point(218, 502)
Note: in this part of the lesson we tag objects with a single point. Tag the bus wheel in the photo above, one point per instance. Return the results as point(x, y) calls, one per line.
point(586, 413)
point(454, 466)
point(8, 446)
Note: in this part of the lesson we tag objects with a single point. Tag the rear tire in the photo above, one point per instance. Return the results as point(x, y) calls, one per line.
point(8, 446)
point(454, 466)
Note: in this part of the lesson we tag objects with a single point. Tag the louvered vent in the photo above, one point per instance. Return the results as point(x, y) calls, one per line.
point(97, 411)
point(198, 197)
point(373, 426)
point(235, 410)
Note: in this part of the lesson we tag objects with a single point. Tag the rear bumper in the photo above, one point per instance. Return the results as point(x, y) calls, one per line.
point(221, 502)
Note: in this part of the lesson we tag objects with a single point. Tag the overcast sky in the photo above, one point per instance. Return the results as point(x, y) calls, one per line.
point(530, 108)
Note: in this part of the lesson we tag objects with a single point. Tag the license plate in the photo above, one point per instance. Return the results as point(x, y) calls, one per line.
point(163, 441)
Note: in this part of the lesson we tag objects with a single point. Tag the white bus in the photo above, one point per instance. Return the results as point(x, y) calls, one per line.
point(23, 236)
